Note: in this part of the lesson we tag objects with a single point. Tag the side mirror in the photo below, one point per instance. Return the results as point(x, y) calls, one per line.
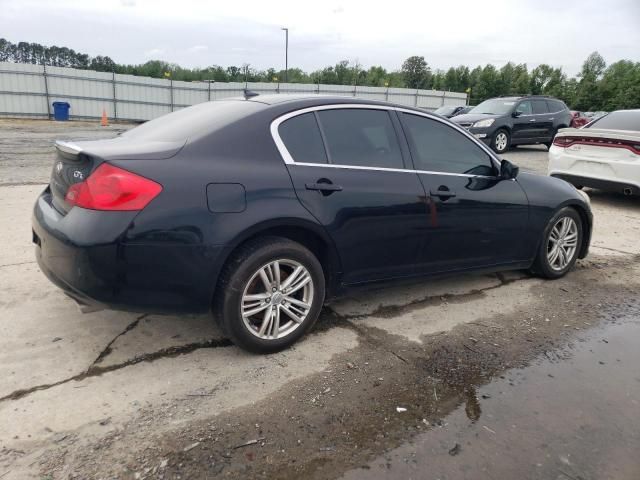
point(516, 114)
point(508, 170)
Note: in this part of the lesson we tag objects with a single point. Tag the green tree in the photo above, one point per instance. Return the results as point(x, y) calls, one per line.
point(588, 94)
point(416, 72)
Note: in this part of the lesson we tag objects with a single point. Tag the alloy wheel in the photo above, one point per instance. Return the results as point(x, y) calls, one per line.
point(562, 244)
point(277, 299)
point(501, 141)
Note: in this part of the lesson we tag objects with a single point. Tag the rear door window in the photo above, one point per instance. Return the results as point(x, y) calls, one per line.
point(555, 106)
point(524, 107)
point(361, 137)
point(302, 138)
point(539, 107)
point(436, 147)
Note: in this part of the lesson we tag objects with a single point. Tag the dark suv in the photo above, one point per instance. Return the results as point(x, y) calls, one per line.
point(506, 121)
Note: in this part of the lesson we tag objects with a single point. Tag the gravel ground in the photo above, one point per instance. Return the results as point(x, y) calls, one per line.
point(482, 376)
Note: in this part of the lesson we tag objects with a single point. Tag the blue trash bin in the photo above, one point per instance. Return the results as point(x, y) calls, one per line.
point(61, 111)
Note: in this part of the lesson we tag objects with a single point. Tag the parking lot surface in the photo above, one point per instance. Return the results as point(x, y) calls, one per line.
point(477, 376)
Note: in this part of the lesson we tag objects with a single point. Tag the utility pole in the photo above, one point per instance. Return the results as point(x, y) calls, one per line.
point(286, 54)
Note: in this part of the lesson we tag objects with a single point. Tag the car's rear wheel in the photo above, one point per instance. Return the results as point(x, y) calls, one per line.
point(271, 293)
point(560, 244)
point(500, 141)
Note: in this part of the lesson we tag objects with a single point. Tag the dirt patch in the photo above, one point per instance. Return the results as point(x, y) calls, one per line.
point(370, 400)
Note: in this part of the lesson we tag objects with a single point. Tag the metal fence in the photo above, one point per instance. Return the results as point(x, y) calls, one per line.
point(28, 90)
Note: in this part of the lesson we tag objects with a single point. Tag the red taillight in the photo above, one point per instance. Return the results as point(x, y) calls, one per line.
point(112, 188)
point(597, 142)
point(563, 141)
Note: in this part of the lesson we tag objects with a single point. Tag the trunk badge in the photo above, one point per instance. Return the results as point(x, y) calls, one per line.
point(58, 167)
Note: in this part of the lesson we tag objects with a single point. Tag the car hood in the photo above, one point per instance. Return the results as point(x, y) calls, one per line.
point(123, 148)
point(473, 117)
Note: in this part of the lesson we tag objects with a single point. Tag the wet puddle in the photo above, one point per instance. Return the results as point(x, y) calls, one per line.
point(571, 415)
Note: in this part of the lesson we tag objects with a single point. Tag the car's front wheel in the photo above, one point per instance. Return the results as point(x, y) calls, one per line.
point(271, 293)
point(560, 245)
point(500, 141)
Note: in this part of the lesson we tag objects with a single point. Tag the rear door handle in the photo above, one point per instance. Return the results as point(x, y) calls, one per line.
point(532, 120)
point(443, 194)
point(323, 187)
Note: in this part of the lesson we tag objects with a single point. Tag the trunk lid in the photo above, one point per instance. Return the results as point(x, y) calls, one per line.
point(75, 161)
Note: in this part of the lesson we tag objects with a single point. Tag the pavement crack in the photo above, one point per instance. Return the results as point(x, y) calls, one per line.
point(96, 370)
point(17, 264)
point(107, 350)
point(614, 250)
point(388, 311)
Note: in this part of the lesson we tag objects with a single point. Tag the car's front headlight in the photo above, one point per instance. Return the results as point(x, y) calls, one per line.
point(484, 123)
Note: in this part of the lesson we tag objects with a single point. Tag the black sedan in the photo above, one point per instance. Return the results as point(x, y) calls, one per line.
point(258, 209)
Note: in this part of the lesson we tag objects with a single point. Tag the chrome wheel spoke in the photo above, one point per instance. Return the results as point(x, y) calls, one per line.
point(297, 302)
point(292, 315)
point(266, 321)
point(300, 282)
point(254, 310)
point(291, 278)
point(256, 296)
point(265, 278)
point(276, 274)
point(276, 324)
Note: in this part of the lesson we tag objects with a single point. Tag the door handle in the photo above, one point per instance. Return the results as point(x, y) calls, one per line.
point(532, 120)
point(323, 187)
point(442, 194)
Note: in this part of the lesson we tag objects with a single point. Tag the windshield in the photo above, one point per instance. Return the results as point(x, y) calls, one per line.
point(620, 120)
point(494, 106)
point(445, 110)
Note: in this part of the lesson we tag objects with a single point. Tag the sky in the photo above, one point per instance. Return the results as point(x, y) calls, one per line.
point(199, 33)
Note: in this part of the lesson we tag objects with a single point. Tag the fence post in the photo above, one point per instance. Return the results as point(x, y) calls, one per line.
point(46, 89)
point(209, 91)
point(416, 102)
point(386, 98)
point(115, 100)
point(443, 95)
point(171, 91)
point(354, 90)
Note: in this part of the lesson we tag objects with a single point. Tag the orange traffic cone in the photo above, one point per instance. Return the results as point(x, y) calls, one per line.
point(104, 122)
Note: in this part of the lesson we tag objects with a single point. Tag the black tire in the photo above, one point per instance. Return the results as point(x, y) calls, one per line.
point(497, 143)
point(541, 266)
point(238, 272)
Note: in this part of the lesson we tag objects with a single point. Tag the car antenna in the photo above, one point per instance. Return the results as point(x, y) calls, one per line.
point(249, 94)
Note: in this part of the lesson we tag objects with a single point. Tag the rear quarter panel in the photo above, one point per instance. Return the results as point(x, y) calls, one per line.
point(243, 154)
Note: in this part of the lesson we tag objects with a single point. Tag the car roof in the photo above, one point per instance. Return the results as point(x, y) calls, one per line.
point(280, 98)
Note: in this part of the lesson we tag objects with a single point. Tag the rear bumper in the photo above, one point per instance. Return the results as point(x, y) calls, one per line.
point(626, 188)
point(86, 254)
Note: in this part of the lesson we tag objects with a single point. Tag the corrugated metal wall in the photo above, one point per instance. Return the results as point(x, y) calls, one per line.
point(29, 90)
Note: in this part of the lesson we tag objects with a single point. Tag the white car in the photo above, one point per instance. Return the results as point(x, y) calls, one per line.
point(604, 154)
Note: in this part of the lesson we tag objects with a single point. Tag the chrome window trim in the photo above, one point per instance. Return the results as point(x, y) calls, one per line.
point(288, 159)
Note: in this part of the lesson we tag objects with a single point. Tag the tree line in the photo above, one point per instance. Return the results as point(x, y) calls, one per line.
point(596, 87)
